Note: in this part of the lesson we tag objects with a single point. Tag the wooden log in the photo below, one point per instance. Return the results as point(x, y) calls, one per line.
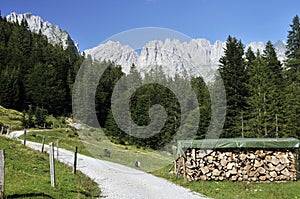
point(193, 155)
point(261, 170)
point(220, 156)
point(273, 174)
point(260, 153)
point(251, 173)
point(274, 161)
point(243, 156)
point(286, 172)
point(210, 159)
point(203, 177)
point(258, 163)
point(251, 156)
point(230, 165)
point(271, 167)
point(254, 179)
point(234, 178)
point(283, 158)
point(247, 167)
point(233, 171)
point(279, 167)
point(215, 172)
point(268, 158)
point(223, 162)
point(262, 178)
point(204, 170)
point(227, 174)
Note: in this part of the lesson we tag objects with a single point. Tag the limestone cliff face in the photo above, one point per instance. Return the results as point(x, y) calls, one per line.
point(197, 57)
point(54, 34)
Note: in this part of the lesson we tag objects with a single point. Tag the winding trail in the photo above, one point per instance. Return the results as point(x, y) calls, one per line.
point(117, 181)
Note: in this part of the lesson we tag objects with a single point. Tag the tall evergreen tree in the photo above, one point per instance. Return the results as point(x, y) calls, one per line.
point(232, 71)
point(292, 75)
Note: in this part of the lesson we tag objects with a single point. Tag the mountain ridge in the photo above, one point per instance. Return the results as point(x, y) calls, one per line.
point(54, 33)
point(197, 57)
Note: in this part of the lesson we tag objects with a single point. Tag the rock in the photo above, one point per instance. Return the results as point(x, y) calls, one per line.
point(198, 56)
point(54, 34)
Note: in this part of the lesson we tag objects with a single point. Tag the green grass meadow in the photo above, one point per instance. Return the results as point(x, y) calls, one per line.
point(27, 175)
point(236, 190)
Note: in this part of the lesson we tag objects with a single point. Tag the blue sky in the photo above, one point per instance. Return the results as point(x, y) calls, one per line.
point(91, 22)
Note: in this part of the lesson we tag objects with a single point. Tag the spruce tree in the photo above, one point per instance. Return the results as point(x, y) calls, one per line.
point(275, 89)
point(232, 71)
point(292, 75)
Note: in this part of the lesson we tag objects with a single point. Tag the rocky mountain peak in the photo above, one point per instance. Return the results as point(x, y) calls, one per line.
point(54, 34)
point(198, 57)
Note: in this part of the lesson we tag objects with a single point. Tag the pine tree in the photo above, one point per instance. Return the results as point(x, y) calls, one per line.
point(275, 88)
point(232, 71)
point(292, 75)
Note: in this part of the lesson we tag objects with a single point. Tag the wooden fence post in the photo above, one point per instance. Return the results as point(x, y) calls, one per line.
point(52, 166)
point(24, 137)
point(57, 148)
point(43, 143)
point(75, 160)
point(2, 172)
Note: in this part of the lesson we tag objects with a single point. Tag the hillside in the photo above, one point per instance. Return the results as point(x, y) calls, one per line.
point(27, 175)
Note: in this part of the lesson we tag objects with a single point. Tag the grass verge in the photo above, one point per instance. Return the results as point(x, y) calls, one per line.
point(231, 190)
point(94, 144)
point(68, 139)
point(27, 175)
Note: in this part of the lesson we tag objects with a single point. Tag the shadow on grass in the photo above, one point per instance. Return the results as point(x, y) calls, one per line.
point(86, 194)
point(27, 195)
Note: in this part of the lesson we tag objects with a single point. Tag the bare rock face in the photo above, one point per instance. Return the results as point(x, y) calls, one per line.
point(54, 34)
point(198, 57)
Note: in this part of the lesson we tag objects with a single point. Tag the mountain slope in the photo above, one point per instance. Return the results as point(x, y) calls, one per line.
point(54, 34)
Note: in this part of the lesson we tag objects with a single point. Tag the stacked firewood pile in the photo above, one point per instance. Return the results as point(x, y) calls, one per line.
point(238, 165)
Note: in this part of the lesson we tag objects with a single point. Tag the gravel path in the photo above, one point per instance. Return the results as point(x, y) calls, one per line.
point(120, 182)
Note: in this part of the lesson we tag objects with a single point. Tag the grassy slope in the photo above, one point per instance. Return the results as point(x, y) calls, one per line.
point(231, 190)
point(149, 162)
point(10, 118)
point(93, 143)
point(27, 175)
